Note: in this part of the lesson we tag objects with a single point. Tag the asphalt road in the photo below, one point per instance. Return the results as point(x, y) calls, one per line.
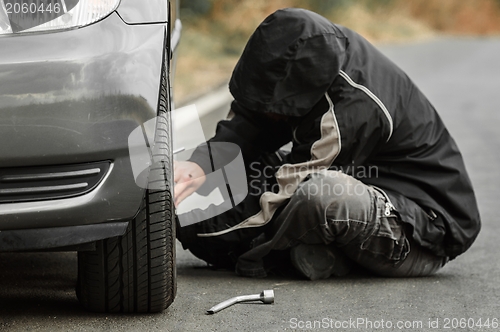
point(462, 79)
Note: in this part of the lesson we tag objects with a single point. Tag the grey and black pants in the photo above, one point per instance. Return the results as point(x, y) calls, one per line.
point(334, 208)
point(329, 208)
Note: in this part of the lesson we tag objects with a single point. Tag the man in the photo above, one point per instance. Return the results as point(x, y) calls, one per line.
point(373, 176)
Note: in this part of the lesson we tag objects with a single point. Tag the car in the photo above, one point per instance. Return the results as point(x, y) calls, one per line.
point(77, 77)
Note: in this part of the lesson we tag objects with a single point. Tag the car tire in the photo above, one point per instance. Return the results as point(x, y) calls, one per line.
point(135, 273)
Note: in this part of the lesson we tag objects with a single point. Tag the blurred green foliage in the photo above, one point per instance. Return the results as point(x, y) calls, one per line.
point(191, 9)
point(327, 6)
point(322, 6)
point(216, 31)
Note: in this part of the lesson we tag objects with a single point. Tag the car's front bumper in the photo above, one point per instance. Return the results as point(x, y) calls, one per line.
point(73, 97)
point(69, 238)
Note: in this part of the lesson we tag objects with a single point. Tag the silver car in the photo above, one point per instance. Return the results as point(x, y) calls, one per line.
point(77, 77)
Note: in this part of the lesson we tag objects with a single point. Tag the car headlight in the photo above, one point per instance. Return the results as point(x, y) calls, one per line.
point(24, 16)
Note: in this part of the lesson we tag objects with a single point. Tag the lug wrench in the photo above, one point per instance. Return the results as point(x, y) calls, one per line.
point(267, 297)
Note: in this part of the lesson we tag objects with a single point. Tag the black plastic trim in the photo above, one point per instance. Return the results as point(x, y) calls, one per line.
point(57, 237)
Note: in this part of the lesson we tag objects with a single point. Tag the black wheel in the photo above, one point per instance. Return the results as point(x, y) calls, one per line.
point(136, 272)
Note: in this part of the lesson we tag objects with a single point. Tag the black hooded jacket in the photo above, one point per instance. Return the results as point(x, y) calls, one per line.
point(327, 80)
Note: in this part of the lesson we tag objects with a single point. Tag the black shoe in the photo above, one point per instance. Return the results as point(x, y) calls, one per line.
point(319, 261)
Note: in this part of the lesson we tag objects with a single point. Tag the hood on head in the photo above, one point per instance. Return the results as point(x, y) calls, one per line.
point(288, 64)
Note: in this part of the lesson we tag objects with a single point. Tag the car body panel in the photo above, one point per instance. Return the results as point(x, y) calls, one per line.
point(74, 97)
point(134, 11)
point(115, 199)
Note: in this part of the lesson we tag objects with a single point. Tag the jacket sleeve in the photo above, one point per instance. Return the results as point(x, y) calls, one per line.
point(253, 133)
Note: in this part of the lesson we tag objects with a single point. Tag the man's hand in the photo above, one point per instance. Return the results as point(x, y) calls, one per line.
point(188, 177)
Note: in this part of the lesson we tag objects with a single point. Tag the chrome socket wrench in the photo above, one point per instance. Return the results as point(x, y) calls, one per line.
point(267, 297)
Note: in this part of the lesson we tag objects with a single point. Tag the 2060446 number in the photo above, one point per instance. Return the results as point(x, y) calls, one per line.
point(32, 8)
point(471, 323)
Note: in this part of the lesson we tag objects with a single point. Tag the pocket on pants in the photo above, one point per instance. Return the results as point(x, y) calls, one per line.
point(387, 239)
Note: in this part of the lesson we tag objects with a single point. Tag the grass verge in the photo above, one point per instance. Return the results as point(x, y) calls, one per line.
point(213, 40)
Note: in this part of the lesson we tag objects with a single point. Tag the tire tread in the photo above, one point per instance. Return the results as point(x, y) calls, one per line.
point(136, 272)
